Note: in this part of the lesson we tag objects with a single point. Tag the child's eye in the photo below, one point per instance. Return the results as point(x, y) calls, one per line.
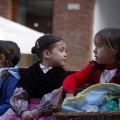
point(97, 45)
point(61, 50)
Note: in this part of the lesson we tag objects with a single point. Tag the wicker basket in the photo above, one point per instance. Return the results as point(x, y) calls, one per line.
point(80, 116)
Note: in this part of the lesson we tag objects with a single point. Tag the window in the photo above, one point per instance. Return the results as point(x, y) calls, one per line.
point(36, 14)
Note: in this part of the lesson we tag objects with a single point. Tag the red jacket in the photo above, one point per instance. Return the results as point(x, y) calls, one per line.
point(89, 75)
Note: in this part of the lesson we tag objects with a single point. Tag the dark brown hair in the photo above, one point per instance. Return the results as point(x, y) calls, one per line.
point(45, 42)
point(110, 37)
point(11, 51)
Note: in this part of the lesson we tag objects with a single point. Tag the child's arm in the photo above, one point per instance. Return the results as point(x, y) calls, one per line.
point(9, 87)
point(69, 95)
point(35, 113)
point(77, 80)
point(46, 104)
point(19, 101)
point(26, 115)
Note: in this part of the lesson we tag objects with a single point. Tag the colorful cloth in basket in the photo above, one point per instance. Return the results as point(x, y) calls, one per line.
point(98, 97)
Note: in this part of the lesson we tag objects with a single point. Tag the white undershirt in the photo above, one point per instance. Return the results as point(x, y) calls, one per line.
point(107, 75)
point(44, 69)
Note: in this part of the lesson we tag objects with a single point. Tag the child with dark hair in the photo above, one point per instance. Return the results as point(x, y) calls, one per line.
point(39, 79)
point(9, 76)
point(106, 67)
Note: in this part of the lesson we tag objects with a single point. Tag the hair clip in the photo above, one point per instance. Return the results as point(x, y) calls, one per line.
point(37, 45)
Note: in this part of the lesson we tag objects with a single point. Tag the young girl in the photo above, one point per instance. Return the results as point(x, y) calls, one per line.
point(106, 68)
point(39, 79)
point(9, 57)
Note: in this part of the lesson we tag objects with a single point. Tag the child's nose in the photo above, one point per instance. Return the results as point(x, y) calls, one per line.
point(65, 54)
point(94, 50)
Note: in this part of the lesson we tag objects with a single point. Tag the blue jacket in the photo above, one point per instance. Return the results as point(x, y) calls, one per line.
point(7, 88)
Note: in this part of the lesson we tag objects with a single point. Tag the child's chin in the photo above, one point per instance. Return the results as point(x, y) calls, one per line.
point(99, 62)
point(62, 65)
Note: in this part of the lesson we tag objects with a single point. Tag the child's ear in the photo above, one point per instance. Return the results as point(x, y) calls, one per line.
point(115, 52)
point(2, 58)
point(46, 53)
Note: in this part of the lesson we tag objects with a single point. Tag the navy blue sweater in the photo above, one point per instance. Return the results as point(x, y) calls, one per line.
point(6, 90)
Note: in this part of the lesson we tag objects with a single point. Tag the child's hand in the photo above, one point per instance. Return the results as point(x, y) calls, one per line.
point(26, 115)
point(35, 113)
point(69, 95)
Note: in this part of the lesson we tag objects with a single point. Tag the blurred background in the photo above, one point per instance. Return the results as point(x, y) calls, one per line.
point(77, 21)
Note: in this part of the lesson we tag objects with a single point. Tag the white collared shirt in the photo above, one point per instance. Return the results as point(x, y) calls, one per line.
point(44, 69)
point(107, 75)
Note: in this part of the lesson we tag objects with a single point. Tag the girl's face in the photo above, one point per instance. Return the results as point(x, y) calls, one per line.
point(103, 55)
point(58, 55)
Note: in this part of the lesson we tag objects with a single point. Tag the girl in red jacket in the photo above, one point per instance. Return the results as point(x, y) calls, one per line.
point(106, 67)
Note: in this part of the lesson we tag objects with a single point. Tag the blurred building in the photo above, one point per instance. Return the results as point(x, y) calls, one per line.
point(70, 19)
